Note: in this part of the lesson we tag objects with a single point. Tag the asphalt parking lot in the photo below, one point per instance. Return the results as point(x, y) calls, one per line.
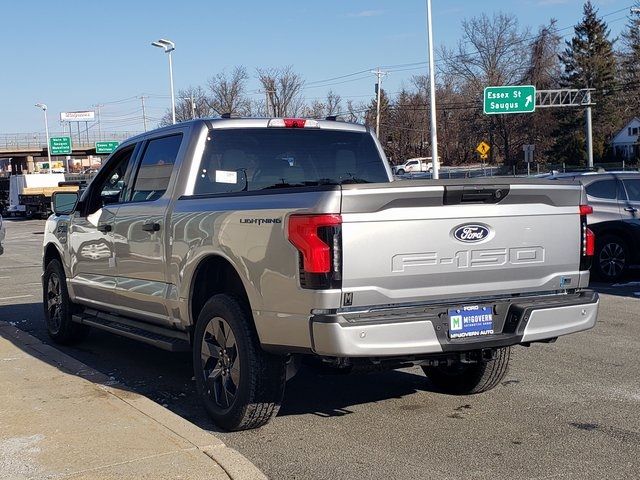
point(566, 410)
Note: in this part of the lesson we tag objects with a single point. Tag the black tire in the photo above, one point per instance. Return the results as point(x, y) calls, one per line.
point(58, 308)
point(400, 171)
point(611, 258)
point(470, 378)
point(240, 385)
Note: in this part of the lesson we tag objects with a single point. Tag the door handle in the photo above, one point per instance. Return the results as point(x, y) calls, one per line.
point(104, 228)
point(631, 209)
point(151, 227)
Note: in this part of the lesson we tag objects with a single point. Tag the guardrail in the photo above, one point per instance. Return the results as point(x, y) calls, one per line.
point(26, 141)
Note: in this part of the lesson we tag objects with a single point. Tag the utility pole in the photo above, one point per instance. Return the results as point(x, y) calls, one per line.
point(193, 108)
point(379, 74)
point(267, 98)
point(144, 115)
point(99, 126)
point(432, 96)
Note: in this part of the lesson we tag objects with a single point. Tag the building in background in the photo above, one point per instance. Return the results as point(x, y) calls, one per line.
point(625, 143)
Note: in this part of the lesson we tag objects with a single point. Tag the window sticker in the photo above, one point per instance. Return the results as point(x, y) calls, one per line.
point(225, 176)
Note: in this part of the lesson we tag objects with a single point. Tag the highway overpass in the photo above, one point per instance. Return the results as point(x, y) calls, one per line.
point(25, 149)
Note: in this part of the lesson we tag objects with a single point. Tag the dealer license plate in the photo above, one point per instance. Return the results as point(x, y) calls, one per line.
point(470, 321)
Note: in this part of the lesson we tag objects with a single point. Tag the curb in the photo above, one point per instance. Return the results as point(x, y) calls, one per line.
point(236, 465)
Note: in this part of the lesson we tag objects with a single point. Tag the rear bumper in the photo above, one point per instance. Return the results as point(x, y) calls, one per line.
point(419, 330)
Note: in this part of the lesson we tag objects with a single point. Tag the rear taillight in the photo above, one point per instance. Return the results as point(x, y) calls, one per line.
point(587, 238)
point(590, 243)
point(318, 238)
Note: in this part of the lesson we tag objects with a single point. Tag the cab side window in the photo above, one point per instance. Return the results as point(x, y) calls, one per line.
point(155, 168)
point(109, 185)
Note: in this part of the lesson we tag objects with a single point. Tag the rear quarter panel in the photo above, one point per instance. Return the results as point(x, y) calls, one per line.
point(230, 227)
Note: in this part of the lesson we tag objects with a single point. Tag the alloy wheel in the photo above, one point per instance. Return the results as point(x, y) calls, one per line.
point(612, 259)
point(54, 302)
point(220, 362)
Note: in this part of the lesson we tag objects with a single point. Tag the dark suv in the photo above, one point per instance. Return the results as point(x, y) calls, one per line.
point(615, 198)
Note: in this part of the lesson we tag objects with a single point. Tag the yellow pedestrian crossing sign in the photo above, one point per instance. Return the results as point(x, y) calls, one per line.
point(483, 148)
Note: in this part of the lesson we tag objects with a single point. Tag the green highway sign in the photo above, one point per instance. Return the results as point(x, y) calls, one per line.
point(60, 145)
point(106, 147)
point(513, 99)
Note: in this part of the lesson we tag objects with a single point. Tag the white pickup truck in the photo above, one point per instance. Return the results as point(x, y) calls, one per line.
point(414, 165)
point(257, 243)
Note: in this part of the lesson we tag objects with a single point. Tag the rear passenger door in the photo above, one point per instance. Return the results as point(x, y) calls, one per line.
point(603, 195)
point(140, 233)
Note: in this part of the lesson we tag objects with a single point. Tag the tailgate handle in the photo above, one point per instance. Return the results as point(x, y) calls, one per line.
point(456, 194)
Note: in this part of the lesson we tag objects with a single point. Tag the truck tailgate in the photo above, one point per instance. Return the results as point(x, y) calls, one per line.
point(407, 242)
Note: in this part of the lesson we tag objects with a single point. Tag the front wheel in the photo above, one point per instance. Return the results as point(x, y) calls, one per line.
point(400, 171)
point(58, 308)
point(470, 378)
point(240, 384)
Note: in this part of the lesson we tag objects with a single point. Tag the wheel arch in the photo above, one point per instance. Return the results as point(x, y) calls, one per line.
point(51, 252)
point(213, 275)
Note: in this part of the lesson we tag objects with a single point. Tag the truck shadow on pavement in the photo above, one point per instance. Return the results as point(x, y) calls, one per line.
point(628, 286)
point(167, 378)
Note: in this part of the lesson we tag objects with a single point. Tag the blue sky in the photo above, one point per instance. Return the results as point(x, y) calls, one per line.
point(75, 54)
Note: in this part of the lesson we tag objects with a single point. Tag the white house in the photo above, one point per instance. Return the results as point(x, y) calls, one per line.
point(626, 143)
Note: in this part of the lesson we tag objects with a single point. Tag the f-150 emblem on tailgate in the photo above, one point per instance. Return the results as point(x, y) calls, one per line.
point(471, 233)
point(481, 258)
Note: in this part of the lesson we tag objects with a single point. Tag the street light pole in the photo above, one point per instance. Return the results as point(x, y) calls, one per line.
point(169, 47)
point(46, 130)
point(432, 97)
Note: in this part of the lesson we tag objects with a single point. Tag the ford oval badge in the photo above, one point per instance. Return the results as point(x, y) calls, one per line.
point(471, 233)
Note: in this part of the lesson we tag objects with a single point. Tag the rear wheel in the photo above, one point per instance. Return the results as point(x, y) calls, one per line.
point(470, 378)
point(58, 308)
point(612, 258)
point(240, 384)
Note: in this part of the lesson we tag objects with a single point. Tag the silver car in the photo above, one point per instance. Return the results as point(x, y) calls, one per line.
point(615, 198)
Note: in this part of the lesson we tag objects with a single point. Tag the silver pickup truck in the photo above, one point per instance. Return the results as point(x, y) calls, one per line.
point(261, 243)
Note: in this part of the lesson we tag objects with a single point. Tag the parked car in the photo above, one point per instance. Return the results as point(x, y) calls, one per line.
point(250, 243)
point(414, 165)
point(615, 198)
point(2, 233)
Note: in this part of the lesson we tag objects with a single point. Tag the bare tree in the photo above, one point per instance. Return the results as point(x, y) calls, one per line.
point(544, 72)
point(354, 112)
point(282, 88)
point(315, 110)
point(490, 51)
point(228, 93)
point(493, 51)
point(191, 103)
point(333, 104)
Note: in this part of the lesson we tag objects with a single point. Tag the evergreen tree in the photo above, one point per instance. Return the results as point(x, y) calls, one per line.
point(589, 62)
point(630, 66)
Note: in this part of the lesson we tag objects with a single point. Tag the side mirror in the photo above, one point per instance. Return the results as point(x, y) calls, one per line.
point(64, 203)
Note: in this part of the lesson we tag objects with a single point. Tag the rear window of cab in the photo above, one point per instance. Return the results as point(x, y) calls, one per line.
point(253, 159)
